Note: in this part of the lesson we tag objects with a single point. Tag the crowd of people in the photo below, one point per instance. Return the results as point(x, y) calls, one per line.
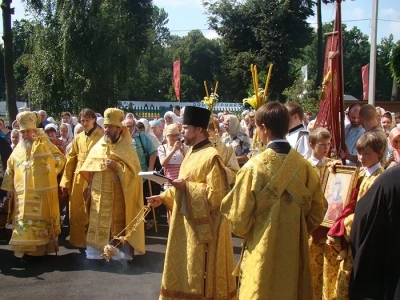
point(259, 178)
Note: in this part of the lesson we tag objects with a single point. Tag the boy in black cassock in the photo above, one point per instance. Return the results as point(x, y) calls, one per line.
point(375, 242)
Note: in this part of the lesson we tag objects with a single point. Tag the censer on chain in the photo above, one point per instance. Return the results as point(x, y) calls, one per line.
point(111, 250)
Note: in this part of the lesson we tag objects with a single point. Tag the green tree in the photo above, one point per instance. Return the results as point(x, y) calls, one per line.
point(356, 54)
point(260, 32)
point(23, 30)
point(200, 61)
point(384, 75)
point(151, 79)
point(395, 62)
point(304, 93)
point(356, 49)
point(85, 51)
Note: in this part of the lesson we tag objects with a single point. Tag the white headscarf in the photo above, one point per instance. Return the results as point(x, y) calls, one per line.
point(100, 122)
point(74, 120)
point(175, 118)
point(51, 120)
point(234, 125)
point(149, 132)
point(70, 135)
point(51, 125)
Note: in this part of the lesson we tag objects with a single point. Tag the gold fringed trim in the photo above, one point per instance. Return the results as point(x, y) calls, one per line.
point(28, 243)
point(327, 79)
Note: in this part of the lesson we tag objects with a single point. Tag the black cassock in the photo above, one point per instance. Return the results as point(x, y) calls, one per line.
point(375, 241)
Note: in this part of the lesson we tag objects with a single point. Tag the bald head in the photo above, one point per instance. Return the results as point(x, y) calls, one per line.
point(354, 115)
point(368, 116)
point(368, 112)
point(43, 115)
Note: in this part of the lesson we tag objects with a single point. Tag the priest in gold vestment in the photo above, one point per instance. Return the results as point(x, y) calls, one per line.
point(275, 205)
point(31, 183)
point(199, 256)
point(114, 190)
point(73, 183)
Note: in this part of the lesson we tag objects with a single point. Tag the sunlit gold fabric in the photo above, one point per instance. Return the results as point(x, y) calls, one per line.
point(324, 265)
point(229, 159)
point(199, 256)
point(71, 179)
point(117, 196)
point(275, 204)
point(32, 176)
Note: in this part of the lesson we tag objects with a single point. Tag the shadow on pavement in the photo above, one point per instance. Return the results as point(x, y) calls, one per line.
point(71, 259)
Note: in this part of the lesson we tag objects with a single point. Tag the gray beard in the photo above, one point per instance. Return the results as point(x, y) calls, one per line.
point(25, 144)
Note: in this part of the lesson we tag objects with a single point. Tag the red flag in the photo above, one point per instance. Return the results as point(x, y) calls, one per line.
point(365, 81)
point(177, 79)
point(331, 110)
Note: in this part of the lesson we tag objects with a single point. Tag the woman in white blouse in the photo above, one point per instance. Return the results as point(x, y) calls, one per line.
point(171, 154)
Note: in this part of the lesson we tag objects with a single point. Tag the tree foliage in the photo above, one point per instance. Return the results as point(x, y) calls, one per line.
point(260, 32)
point(356, 50)
point(395, 62)
point(85, 51)
point(304, 93)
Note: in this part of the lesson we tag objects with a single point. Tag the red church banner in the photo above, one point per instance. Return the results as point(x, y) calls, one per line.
point(177, 79)
point(365, 81)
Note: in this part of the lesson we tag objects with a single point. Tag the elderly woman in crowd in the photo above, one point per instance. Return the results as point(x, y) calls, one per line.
point(144, 125)
point(66, 136)
point(157, 129)
point(236, 138)
point(15, 137)
point(170, 118)
point(394, 147)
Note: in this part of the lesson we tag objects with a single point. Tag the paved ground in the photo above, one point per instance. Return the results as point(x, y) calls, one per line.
point(71, 276)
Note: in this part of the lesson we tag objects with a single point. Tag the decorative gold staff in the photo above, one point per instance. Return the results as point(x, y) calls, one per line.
point(211, 100)
point(110, 250)
point(260, 95)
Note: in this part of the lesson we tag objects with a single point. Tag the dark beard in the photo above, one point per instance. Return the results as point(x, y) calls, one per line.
point(111, 139)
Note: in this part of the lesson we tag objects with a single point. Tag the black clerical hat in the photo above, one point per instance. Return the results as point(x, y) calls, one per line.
point(196, 116)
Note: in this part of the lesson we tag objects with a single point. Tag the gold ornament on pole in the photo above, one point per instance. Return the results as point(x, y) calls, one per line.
point(210, 100)
point(256, 101)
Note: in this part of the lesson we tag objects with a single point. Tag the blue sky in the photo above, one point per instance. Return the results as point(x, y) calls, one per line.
point(185, 15)
point(189, 14)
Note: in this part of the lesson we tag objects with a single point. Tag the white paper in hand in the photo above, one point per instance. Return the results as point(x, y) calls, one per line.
point(154, 176)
